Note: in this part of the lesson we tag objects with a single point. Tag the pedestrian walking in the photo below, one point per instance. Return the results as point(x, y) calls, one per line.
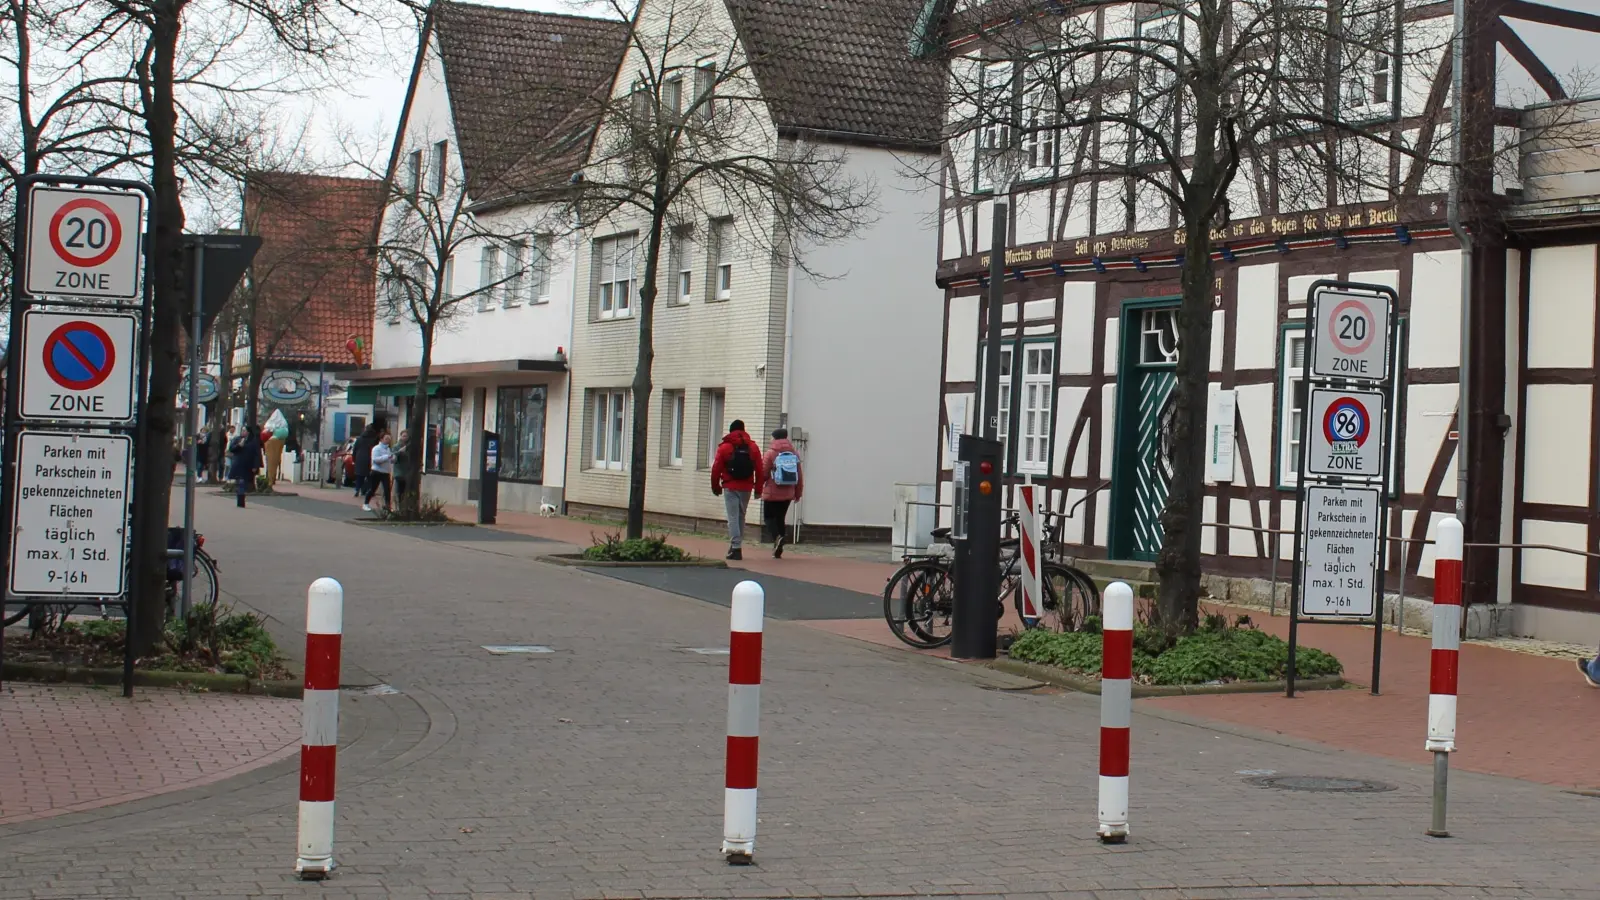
point(402, 465)
point(735, 472)
point(202, 456)
point(786, 482)
point(1591, 671)
point(245, 461)
point(362, 451)
point(382, 470)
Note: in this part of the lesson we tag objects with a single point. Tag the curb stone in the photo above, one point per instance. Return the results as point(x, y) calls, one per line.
point(576, 561)
point(1087, 685)
point(50, 673)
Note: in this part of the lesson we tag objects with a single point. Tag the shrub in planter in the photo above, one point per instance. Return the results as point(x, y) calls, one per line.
point(654, 548)
point(1214, 653)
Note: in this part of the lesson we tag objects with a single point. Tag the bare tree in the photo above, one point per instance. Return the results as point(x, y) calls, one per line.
point(686, 135)
point(428, 223)
point(1190, 115)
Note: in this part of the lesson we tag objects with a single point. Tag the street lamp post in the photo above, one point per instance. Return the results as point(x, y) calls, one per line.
point(982, 460)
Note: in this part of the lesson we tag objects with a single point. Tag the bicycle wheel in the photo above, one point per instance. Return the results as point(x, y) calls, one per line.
point(207, 587)
point(1068, 599)
point(917, 604)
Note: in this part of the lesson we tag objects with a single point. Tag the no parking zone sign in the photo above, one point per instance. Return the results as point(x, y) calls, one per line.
point(78, 366)
point(84, 243)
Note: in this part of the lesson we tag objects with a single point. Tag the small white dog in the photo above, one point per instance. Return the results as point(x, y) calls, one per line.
point(547, 509)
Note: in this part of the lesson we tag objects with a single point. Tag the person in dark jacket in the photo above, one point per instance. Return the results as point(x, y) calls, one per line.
point(245, 460)
point(362, 451)
point(402, 463)
point(736, 472)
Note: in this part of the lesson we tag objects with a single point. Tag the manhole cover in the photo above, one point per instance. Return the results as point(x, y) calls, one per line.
point(1320, 783)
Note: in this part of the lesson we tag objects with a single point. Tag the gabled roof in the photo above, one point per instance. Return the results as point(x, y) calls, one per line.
point(844, 67)
point(517, 81)
point(313, 263)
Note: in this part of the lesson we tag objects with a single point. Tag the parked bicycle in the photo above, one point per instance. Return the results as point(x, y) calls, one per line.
point(207, 587)
point(919, 600)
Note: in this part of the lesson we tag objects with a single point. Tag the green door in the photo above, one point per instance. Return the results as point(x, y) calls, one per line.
point(1142, 465)
point(1152, 462)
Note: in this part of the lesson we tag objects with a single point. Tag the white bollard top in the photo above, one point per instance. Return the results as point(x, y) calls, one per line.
point(1450, 538)
point(325, 607)
point(1117, 614)
point(749, 606)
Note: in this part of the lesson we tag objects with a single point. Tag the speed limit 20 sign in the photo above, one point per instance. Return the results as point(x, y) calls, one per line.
point(84, 243)
point(1352, 336)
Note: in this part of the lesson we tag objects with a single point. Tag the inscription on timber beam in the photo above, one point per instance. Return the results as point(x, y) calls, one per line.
point(1310, 224)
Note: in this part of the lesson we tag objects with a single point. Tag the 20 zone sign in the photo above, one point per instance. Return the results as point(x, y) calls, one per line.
point(84, 243)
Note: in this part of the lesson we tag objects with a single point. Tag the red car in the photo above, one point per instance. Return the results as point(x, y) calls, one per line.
point(342, 460)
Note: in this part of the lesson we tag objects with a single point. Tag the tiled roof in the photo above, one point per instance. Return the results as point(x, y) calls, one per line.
point(315, 231)
point(515, 80)
point(844, 66)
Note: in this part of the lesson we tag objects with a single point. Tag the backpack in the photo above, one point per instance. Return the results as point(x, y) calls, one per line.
point(741, 465)
point(786, 468)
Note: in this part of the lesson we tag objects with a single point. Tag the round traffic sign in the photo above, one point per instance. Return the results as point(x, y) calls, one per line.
point(79, 356)
point(1346, 420)
point(1350, 326)
point(85, 232)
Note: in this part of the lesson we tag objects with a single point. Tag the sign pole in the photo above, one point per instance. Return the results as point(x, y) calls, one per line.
point(8, 442)
point(190, 422)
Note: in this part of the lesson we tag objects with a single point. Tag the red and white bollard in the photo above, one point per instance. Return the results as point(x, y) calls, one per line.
point(1116, 710)
point(1029, 520)
point(320, 744)
point(744, 724)
point(1445, 664)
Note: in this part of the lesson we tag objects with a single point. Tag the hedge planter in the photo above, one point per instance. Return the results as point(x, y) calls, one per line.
point(55, 673)
point(576, 560)
point(1090, 685)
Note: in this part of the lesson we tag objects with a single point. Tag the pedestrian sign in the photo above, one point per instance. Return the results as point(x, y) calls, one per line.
point(1352, 335)
point(78, 366)
point(70, 516)
point(84, 243)
point(1339, 571)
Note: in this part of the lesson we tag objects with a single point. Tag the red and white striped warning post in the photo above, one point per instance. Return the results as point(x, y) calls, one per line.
point(1445, 664)
point(320, 743)
point(744, 724)
point(1116, 710)
point(1029, 519)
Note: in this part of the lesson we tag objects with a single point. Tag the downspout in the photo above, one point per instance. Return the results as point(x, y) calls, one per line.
point(1458, 51)
point(788, 338)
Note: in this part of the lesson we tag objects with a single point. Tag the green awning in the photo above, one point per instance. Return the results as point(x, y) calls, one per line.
point(369, 393)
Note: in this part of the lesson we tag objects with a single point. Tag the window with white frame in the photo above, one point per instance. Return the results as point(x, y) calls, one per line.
point(682, 265)
point(673, 405)
point(1291, 405)
point(1157, 93)
point(721, 254)
point(516, 274)
point(609, 414)
point(1003, 432)
point(440, 167)
point(539, 268)
point(1040, 135)
point(705, 83)
point(1038, 389)
point(672, 97)
point(447, 281)
point(614, 275)
point(488, 277)
point(713, 423)
point(1367, 66)
point(996, 117)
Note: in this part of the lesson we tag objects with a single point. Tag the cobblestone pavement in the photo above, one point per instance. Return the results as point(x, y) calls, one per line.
point(596, 771)
point(78, 748)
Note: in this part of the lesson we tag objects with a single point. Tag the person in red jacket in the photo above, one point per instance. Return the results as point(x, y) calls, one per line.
point(786, 483)
point(735, 472)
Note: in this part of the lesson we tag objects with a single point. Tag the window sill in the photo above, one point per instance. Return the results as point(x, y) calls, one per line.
point(598, 470)
point(627, 318)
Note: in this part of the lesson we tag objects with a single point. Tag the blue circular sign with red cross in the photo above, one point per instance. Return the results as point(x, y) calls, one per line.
point(1345, 421)
point(79, 356)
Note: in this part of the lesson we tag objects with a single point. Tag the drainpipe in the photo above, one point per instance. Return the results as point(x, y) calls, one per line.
point(1458, 92)
point(788, 337)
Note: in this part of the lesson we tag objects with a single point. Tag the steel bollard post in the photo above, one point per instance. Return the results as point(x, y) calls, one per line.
point(1444, 667)
point(320, 744)
point(744, 724)
point(1116, 711)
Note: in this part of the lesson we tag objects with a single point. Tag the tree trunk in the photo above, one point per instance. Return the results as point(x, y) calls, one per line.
point(415, 418)
point(640, 449)
point(154, 473)
point(252, 387)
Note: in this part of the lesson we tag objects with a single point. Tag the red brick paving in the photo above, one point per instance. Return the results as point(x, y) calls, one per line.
point(76, 748)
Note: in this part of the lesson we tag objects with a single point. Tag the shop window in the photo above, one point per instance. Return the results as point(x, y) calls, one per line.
point(520, 420)
point(443, 447)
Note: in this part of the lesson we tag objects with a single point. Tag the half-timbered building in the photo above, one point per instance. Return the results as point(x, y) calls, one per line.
point(1092, 283)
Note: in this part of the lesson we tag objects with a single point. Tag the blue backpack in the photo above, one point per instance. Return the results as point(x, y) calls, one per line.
point(786, 468)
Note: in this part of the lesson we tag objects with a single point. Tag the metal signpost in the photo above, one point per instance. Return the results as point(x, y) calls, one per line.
point(1344, 463)
point(80, 309)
